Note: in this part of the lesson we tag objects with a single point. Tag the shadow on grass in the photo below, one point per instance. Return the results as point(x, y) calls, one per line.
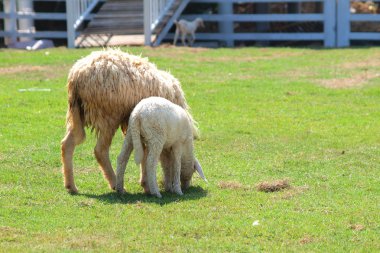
point(132, 198)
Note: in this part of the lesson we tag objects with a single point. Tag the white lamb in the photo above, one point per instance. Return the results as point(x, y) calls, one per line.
point(166, 131)
point(187, 28)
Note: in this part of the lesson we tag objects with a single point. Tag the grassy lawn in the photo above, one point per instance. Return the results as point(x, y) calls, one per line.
point(311, 116)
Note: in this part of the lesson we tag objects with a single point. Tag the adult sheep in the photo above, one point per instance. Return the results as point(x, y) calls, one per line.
point(103, 88)
point(166, 131)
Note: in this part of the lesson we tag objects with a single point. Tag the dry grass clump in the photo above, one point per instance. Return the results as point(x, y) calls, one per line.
point(233, 185)
point(273, 186)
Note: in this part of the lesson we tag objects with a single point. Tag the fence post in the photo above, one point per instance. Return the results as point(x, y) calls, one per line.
point(10, 24)
point(330, 23)
point(70, 20)
point(343, 23)
point(26, 24)
point(226, 27)
point(147, 22)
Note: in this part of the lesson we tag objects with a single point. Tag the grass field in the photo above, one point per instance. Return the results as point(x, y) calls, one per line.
point(311, 116)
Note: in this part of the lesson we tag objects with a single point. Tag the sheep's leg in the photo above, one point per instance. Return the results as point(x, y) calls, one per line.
point(74, 136)
point(122, 161)
point(177, 170)
point(102, 156)
point(143, 176)
point(151, 167)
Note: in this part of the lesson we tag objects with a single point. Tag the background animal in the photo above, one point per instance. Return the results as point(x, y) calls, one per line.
point(187, 29)
point(103, 88)
point(164, 130)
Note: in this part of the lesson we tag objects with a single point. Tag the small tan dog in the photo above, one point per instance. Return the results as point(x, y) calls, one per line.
point(187, 28)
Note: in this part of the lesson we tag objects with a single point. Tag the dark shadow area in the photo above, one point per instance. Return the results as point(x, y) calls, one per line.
point(132, 198)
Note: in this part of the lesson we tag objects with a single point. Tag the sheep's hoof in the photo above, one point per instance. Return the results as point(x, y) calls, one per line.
point(72, 189)
point(112, 187)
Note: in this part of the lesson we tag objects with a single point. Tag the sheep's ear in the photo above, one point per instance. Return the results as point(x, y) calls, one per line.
point(198, 168)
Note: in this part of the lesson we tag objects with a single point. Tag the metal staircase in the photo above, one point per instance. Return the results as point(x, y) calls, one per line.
point(126, 17)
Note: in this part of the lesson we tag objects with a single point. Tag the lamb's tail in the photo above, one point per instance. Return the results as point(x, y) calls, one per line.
point(136, 139)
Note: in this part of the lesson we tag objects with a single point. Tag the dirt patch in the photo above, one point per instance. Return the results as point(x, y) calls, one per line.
point(367, 63)
point(232, 185)
point(273, 186)
point(306, 240)
point(294, 191)
point(362, 72)
point(357, 227)
point(246, 58)
point(9, 234)
point(40, 72)
point(173, 52)
point(356, 80)
point(22, 69)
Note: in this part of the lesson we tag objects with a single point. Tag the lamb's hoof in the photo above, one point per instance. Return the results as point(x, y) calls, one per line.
point(157, 194)
point(120, 190)
point(178, 191)
point(72, 189)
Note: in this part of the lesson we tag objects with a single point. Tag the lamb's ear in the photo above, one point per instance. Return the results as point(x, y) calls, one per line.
point(198, 168)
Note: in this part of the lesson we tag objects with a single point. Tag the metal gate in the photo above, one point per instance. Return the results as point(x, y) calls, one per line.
point(346, 19)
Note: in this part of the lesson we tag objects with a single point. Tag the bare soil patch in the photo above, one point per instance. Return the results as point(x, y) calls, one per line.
point(46, 72)
point(232, 185)
point(362, 72)
point(357, 227)
point(356, 80)
point(22, 69)
point(307, 239)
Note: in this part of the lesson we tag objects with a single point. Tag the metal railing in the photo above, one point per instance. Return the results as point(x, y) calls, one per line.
point(77, 11)
point(154, 11)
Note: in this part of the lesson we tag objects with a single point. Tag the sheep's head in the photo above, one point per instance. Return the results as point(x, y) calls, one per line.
point(187, 172)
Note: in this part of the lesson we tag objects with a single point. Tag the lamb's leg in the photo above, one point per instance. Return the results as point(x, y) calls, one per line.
point(143, 177)
point(167, 168)
point(122, 161)
point(183, 39)
point(192, 39)
point(75, 135)
point(177, 153)
point(151, 167)
point(102, 156)
point(175, 37)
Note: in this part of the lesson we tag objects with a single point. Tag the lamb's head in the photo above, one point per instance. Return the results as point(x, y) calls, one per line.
point(187, 171)
point(199, 22)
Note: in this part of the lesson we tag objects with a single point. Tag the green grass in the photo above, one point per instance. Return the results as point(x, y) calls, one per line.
point(264, 114)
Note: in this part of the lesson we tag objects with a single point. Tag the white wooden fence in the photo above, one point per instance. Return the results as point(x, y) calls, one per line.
point(335, 17)
point(76, 12)
point(227, 15)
